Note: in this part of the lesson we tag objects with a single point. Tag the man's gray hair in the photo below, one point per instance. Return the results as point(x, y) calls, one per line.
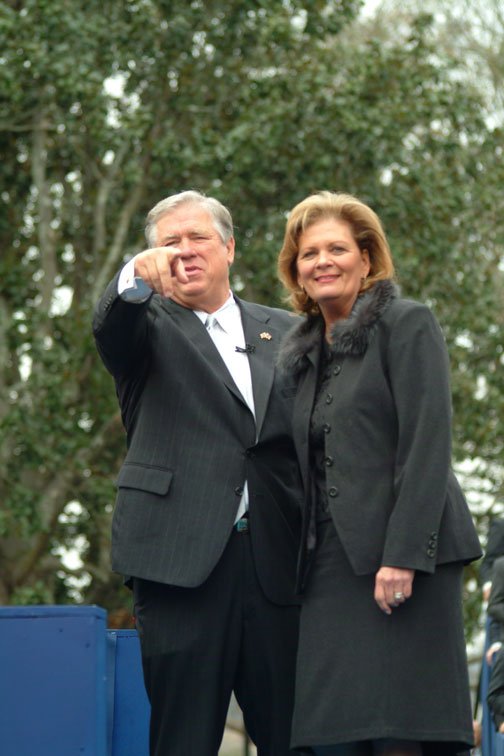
point(220, 215)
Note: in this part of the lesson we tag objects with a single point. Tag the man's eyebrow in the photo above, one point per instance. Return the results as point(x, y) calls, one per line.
point(166, 237)
point(191, 232)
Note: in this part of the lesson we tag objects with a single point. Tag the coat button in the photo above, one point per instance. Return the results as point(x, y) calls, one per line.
point(326, 428)
point(239, 490)
point(333, 491)
point(431, 553)
point(328, 398)
point(328, 461)
point(336, 370)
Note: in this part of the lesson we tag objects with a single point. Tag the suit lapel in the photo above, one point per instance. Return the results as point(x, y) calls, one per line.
point(259, 332)
point(265, 338)
point(199, 337)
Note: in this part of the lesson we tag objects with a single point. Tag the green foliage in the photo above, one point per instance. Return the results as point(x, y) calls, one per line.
point(104, 109)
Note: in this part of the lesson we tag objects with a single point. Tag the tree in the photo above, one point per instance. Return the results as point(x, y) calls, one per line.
point(110, 107)
point(469, 32)
point(82, 166)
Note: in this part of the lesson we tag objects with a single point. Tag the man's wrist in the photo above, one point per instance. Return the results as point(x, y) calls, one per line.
point(132, 288)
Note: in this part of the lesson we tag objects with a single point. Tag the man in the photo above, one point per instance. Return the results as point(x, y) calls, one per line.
point(208, 508)
point(495, 695)
point(495, 609)
point(492, 571)
point(494, 548)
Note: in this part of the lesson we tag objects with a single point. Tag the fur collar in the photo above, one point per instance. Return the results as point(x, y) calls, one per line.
point(350, 336)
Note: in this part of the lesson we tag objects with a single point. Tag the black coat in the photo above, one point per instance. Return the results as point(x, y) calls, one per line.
point(392, 494)
point(192, 444)
point(494, 548)
point(495, 608)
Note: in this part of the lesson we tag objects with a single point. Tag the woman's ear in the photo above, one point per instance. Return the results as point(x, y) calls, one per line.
point(367, 262)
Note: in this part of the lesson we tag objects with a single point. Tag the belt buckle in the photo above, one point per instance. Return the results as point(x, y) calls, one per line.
point(242, 525)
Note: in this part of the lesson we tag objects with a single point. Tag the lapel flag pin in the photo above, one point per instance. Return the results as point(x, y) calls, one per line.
point(265, 335)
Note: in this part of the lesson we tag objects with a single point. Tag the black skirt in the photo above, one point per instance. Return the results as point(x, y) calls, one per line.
point(365, 675)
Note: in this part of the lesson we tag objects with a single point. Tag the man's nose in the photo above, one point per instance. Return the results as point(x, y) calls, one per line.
point(186, 248)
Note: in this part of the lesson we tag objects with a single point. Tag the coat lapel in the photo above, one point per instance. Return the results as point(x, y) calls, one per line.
point(198, 335)
point(258, 329)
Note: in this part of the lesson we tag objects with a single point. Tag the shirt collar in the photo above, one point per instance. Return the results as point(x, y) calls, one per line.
point(226, 314)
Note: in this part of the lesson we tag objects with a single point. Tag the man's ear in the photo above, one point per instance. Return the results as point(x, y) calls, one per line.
point(230, 246)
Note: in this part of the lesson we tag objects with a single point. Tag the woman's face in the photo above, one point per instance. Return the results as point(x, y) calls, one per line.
point(330, 267)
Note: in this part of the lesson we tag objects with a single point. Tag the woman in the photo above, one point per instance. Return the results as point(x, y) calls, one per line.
point(381, 662)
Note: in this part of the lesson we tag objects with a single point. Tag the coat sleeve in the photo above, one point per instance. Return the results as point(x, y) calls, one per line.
point(418, 372)
point(121, 329)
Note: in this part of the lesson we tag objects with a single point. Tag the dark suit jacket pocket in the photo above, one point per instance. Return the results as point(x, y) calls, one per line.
point(151, 479)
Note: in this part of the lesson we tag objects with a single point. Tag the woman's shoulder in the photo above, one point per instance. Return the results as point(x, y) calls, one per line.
point(403, 305)
point(410, 319)
point(405, 309)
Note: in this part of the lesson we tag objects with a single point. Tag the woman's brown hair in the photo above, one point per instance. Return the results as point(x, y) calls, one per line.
point(367, 231)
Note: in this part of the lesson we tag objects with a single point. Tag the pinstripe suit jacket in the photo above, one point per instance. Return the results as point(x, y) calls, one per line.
point(193, 442)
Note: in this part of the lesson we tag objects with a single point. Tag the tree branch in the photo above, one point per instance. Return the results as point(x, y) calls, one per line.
point(45, 233)
point(4, 325)
point(105, 187)
point(116, 249)
point(55, 497)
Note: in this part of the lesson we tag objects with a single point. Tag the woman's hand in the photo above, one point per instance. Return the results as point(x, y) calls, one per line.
point(393, 585)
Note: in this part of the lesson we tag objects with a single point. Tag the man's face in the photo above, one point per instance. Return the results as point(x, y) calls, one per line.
point(206, 259)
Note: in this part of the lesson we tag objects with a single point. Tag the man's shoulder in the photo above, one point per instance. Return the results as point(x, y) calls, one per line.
point(273, 314)
point(498, 566)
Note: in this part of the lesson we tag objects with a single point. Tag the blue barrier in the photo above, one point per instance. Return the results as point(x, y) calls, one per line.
point(52, 681)
point(128, 706)
point(69, 686)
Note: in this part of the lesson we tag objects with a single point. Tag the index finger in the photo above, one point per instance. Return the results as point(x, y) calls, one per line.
point(157, 266)
point(169, 266)
point(172, 256)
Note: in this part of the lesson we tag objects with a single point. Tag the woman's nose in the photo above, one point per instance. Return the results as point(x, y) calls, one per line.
point(323, 257)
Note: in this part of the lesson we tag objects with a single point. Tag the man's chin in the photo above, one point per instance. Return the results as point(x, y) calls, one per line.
point(189, 294)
